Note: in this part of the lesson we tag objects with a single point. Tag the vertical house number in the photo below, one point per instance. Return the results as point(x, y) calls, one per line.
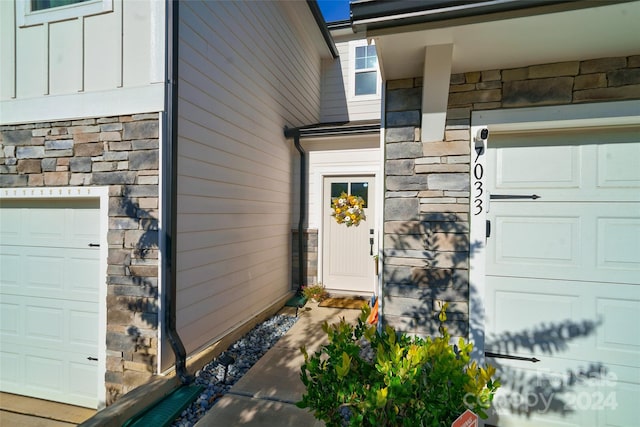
point(478, 174)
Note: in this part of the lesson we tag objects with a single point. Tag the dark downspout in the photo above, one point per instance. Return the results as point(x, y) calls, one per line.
point(169, 185)
point(295, 134)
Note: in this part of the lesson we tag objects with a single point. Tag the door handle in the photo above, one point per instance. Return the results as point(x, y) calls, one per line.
point(371, 246)
point(513, 196)
point(510, 357)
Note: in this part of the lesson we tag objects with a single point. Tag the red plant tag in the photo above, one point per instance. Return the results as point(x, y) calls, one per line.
point(467, 419)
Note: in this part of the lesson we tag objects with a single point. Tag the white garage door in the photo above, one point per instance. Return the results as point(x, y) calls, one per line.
point(563, 277)
point(49, 299)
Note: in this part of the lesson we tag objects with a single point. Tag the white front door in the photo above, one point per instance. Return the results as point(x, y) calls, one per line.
point(347, 252)
point(563, 277)
point(49, 286)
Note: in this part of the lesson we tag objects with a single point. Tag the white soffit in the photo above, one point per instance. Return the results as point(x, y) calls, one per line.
point(605, 31)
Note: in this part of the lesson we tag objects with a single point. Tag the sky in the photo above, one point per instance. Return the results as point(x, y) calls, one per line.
point(334, 10)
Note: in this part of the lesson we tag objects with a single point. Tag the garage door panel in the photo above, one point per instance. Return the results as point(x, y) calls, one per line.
point(44, 272)
point(551, 320)
point(619, 243)
point(593, 172)
point(54, 374)
point(83, 264)
point(40, 272)
point(618, 165)
point(519, 309)
point(550, 240)
point(565, 393)
point(85, 331)
point(572, 241)
point(564, 319)
point(620, 331)
point(626, 395)
point(530, 167)
point(41, 324)
point(11, 372)
point(10, 276)
point(44, 324)
point(82, 381)
point(52, 224)
point(44, 374)
point(9, 318)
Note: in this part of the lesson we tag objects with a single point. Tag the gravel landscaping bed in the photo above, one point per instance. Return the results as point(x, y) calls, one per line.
point(246, 352)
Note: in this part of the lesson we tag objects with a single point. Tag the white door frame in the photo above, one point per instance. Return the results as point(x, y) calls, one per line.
point(324, 213)
point(522, 119)
point(101, 193)
point(319, 172)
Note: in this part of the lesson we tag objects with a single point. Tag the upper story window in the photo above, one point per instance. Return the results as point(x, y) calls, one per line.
point(35, 12)
point(365, 80)
point(366, 70)
point(48, 4)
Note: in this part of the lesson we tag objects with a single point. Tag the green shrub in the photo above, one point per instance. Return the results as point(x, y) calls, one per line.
point(364, 377)
point(315, 292)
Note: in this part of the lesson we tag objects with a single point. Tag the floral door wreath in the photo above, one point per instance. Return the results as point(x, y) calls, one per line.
point(348, 209)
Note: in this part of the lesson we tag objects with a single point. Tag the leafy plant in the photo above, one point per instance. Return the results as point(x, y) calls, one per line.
point(316, 292)
point(366, 377)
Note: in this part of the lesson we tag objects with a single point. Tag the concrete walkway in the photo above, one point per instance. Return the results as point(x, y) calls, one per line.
point(22, 411)
point(266, 395)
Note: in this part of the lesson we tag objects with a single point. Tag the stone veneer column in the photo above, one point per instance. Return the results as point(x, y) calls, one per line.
point(426, 240)
point(121, 153)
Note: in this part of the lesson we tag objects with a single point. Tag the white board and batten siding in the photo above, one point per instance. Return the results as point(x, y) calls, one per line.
point(338, 102)
point(103, 64)
point(246, 69)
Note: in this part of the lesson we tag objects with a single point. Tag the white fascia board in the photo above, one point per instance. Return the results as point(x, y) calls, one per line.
point(619, 113)
point(143, 99)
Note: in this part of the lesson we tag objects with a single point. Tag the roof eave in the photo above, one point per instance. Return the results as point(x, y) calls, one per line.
point(368, 15)
point(322, 25)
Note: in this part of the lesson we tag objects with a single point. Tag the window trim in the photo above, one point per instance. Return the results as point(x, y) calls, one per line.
point(352, 73)
point(25, 17)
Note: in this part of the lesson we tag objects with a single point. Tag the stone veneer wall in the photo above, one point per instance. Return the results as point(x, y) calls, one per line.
point(310, 248)
point(426, 217)
point(121, 153)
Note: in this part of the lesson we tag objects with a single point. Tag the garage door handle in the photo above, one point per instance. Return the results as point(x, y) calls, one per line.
point(510, 357)
point(94, 245)
point(95, 359)
point(513, 196)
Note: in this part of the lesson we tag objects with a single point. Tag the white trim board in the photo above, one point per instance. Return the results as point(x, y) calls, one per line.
point(559, 117)
point(144, 99)
point(101, 193)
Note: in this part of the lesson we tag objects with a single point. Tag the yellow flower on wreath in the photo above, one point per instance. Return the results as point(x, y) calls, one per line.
point(348, 209)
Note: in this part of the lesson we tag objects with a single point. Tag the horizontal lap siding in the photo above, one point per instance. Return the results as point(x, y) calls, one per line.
point(337, 104)
point(246, 70)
